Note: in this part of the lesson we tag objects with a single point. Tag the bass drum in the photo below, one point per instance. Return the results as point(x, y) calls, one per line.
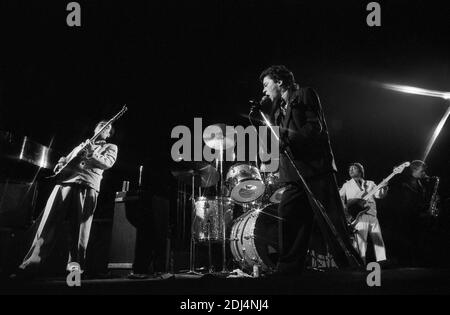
point(254, 238)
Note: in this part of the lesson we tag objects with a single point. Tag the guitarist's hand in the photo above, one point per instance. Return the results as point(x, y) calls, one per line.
point(383, 192)
point(88, 148)
point(348, 217)
point(60, 164)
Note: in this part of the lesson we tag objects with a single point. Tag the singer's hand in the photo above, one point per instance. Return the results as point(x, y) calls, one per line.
point(255, 107)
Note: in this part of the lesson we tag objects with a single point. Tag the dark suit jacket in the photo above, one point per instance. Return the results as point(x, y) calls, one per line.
point(303, 131)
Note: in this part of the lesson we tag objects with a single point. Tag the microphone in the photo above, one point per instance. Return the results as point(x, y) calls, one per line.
point(257, 105)
point(429, 178)
point(264, 99)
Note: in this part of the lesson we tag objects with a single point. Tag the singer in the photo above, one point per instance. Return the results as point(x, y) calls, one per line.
point(74, 197)
point(303, 132)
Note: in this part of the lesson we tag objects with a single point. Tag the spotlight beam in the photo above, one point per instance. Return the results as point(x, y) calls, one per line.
point(417, 91)
point(425, 92)
point(436, 133)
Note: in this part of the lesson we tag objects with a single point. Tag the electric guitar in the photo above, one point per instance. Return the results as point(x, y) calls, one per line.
point(358, 206)
point(79, 152)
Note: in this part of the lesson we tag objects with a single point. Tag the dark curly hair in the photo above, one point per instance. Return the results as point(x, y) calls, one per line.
point(279, 73)
point(416, 164)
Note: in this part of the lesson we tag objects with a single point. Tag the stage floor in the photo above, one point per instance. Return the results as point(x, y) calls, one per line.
point(393, 281)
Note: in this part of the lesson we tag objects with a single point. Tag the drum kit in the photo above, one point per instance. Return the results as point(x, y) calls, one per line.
point(253, 236)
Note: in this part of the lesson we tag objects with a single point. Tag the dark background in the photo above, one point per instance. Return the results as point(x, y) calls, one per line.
point(172, 61)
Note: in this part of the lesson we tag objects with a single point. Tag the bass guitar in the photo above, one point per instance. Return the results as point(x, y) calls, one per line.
point(358, 206)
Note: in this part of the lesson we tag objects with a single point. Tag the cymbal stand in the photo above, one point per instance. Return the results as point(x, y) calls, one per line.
point(192, 242)
point(222, 214)
point(211, 269)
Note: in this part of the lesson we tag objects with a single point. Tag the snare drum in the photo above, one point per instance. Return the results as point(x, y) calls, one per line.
point(208, 224)
point(245, 183)
point(254, 238)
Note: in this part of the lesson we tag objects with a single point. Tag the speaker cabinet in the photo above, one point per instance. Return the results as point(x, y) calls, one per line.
point(139, 232)
point(123, 237)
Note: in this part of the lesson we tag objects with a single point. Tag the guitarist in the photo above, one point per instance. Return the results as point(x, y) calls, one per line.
point(366, 223)
point(75, 197)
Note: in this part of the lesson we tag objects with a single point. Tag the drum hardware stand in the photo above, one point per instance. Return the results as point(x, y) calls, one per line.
point(211, 269)
point(221, 207)
point(318, 207)
point(222, 214)
point(192, 241)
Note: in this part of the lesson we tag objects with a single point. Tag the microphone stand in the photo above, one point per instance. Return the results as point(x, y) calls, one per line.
point(317, 206)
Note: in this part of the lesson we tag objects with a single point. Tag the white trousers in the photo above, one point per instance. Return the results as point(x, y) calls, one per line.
point(78, 204)
point(369, 225)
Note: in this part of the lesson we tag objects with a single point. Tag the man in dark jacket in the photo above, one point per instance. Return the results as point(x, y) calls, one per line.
point(303, 132)
point(409, 220)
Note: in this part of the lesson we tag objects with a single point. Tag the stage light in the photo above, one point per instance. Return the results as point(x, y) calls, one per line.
point(425, 92)
point(436, 133)
point(417, 91)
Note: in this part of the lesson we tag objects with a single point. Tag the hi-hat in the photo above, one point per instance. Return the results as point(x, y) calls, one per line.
point(218, 140)
point(205, 175)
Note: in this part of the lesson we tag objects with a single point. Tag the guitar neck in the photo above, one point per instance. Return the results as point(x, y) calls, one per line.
point(94, 137)
point(112, 120)
point(378, 187)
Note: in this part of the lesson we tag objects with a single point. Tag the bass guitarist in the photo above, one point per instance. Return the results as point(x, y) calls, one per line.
point(365, 223)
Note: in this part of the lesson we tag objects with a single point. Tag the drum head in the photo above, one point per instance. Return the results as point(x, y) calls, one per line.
point(245, 183)
point(254, 238)
point(247, 191)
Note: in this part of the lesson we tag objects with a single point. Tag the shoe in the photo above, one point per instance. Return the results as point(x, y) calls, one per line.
point(138, 276)
point(74, 267)
point(166, 275)
point(21, 275)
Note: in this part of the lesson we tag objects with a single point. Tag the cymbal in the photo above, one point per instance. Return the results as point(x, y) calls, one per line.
point(182, 165)
point(205, 175)
point(218, 140)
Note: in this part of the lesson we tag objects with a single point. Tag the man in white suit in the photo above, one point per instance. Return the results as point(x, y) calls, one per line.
point(366, 224)
point(74, 197)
